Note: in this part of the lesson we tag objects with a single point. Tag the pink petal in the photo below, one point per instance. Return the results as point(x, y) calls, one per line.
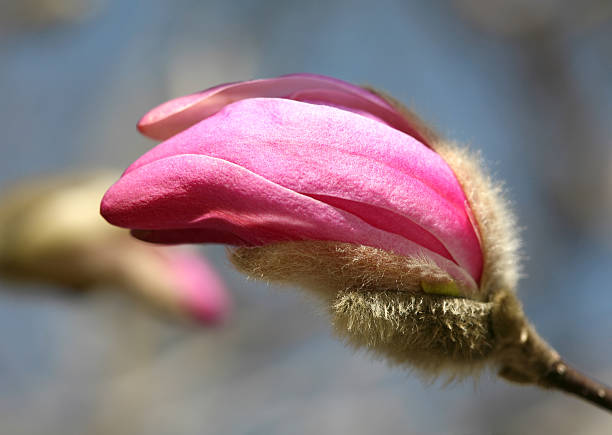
point(195, 192)
point(385, 177)
point(177, 115)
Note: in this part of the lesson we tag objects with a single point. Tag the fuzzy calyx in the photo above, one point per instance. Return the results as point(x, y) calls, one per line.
point(522, 355)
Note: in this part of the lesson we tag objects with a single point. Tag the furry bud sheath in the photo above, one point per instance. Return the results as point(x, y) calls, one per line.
point(342, 191)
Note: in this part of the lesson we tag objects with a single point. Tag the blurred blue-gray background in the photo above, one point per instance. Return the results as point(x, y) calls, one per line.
point(528, 83)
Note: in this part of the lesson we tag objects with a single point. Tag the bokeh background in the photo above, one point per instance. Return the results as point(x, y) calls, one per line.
point(528, 83)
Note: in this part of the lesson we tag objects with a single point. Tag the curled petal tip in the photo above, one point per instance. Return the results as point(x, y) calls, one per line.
point(178, 114)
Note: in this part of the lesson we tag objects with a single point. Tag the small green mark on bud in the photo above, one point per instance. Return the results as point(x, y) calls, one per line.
point(448, 288)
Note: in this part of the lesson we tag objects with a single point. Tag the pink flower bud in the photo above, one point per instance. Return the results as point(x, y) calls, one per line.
point(50, 232)
point(348, 194)
point(297, 158)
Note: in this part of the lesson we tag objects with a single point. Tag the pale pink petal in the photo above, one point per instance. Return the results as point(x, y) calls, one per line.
point(375, 172)
point(341, 100)
point(190, 192)
point(177, 115)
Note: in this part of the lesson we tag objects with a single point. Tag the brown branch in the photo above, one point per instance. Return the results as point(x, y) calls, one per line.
point(565, 378)
point(525, 358)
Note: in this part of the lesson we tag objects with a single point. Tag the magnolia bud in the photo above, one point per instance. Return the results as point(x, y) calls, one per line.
point(340, 190)
point(51, 232)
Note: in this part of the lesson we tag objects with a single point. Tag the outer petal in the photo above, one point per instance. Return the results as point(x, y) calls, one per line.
point(375, 172)
point(201, 193)
point(178, 114)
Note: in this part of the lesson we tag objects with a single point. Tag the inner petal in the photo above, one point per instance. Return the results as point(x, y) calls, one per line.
point(388, 221)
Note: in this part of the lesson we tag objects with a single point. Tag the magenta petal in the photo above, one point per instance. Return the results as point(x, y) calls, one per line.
point(398, 184)
point(178, 114)
point(193, 192)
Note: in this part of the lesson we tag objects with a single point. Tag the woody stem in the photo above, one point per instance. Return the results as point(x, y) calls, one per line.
point(565, 378)
point(526, 358)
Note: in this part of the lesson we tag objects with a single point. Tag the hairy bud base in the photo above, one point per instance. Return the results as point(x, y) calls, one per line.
point(427, 332)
